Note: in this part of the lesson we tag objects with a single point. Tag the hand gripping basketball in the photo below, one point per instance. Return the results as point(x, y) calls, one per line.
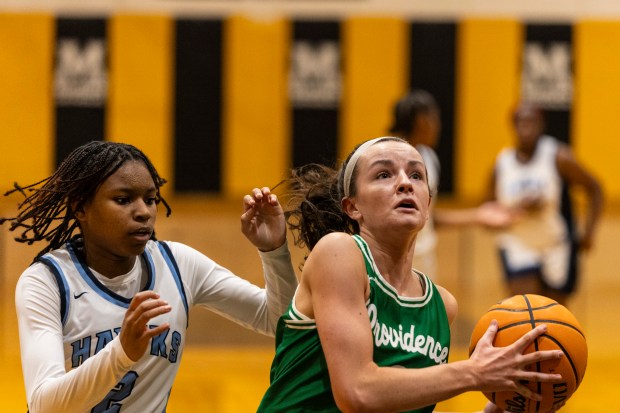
point(518, 319)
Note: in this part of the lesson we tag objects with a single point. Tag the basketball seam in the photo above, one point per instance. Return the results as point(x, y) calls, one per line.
point(533, 325)
point(519, 310)
point(568, 357)
point(546, 321)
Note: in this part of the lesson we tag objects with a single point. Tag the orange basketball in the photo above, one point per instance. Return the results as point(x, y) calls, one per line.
point(516, 316)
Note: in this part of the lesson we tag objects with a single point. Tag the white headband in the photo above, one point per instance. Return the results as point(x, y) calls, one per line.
point(348, 171)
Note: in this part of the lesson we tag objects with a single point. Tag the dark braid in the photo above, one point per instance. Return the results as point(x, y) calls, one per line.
point(47, 212)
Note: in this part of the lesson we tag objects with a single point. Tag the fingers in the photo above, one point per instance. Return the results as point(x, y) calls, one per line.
point(135, 333)
point(527, 392)
point(145, 306)
point(538, 356)
point(263, 222)
point(256, 199)
point(155, 331)
point(150, 309)
point(249, 201)
point(507, 368)
point(141, 297)
point(489, 335)
point(260, 195)
point(528, 338)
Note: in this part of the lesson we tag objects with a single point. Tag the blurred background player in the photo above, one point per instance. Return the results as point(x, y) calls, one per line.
point(539, 253)
point(417, 119)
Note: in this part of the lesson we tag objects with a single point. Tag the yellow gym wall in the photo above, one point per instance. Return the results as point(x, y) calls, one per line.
point(26, 110)
point(597, 107)
point(256, 128)
point(140, 91)
point(375, 76)
point(255, 115)
point(256, 112)
point(487, 87)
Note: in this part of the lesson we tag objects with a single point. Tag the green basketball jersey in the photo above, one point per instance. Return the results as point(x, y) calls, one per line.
point(407, 332)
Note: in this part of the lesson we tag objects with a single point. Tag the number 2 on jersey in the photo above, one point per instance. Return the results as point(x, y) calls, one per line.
point(123, 389)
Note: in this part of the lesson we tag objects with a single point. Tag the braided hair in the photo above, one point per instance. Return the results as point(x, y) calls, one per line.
point(314, 200)
point(47, 212)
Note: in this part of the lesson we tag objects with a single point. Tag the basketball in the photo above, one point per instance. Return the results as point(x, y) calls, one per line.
point(516, 316)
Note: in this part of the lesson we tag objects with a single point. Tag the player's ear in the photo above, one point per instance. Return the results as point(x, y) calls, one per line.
point(78, 210)
point(350, 208)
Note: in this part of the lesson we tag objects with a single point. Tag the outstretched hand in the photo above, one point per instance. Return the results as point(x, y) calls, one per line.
point(135, 332)
point(262, 221)
point(504, 368)
point(496, 216)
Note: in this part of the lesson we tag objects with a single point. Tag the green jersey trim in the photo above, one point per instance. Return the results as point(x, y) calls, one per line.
point(298, 320)
point(389, 289)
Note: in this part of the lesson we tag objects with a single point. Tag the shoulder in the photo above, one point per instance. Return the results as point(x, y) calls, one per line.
point(334, 242)
point(188, 259)
point(564, 157)
point(449, 302)
point(563, 150)
point(505, 154)
point(336, 252)
point(36, 285)
point(334, 276)
point(428, 154)
point(553, 146)
point(36, 272)
point(334, 248)
point(177, 249)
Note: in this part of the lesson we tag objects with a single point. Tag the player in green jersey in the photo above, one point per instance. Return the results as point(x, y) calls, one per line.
point(364, 331)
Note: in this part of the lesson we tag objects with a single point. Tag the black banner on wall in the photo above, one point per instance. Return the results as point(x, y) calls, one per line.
point(315, 86)
point(433, 68)
point(547, 81)
point(198, 106)
point(547, 74)
point(80, 83)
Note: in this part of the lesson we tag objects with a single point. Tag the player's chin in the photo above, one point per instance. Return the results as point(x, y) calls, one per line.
point(411, 224)
point(136, 248)
point(411, 217)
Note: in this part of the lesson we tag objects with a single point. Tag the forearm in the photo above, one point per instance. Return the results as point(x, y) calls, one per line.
point(595, 210)
point(82, 388)
point(280, 282)
point(390, 389)
point(49, 387)
point(235, 298)
point(455, 217)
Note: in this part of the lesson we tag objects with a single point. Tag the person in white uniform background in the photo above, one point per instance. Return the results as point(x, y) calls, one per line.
point(539, 253)
point(103, 309)
point(416, 118)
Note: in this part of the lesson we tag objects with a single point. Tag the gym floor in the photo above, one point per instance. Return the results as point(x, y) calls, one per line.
point(225, 368)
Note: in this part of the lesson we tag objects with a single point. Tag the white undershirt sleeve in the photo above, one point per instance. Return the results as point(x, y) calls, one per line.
point(280, 282)
point(233, 297)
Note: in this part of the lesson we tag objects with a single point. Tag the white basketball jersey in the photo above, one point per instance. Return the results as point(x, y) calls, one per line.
point(536, 181)
point(92, 315)
point(426, 240)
